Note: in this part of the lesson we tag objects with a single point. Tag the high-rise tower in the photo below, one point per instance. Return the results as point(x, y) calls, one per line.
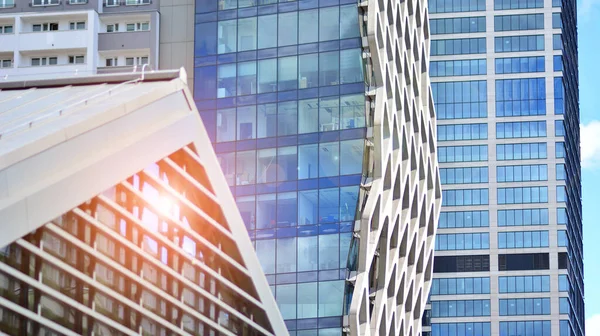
point(322, 116)
point(509, 246)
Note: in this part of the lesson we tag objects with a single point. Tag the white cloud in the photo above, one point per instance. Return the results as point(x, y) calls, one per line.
point(590, 144)
point(592, 325)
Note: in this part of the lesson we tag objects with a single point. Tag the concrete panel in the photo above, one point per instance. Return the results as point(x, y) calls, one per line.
point(125, 41)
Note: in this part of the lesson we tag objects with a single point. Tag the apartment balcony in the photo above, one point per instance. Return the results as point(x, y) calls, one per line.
point(127, 41)
point(7, 42)
point(62, 39)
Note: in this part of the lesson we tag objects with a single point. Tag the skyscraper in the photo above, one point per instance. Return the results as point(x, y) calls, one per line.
point(509, 246)
point(321, 114)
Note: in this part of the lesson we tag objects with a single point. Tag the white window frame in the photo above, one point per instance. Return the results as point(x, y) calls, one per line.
point(3, 29)
point(112, 3)
point(73, 59)
point(115, 28)
point(137, 60)
point(7, 3)
point(138, 26)
point(73, 25)
point(45, 27)
point(45, 61)
point(2, 61)
point(114, 62)
point(77, 2)
point(137, 2)
point(45, 2)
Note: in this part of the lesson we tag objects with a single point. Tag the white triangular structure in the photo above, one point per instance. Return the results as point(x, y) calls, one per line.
point(116, 218)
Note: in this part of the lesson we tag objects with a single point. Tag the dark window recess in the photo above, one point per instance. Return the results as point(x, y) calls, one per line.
point(563, 260)
point(523, 262)
point(469, 263)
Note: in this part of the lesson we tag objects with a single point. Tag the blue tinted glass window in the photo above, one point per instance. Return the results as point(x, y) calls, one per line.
point(525, 151)
point(526, 328)
point(288, 29)
point(563, 241)
point(519, 64)
point(462, 241)
point(564, 328)
point(457, 100)
point(559, 128)
point(522, 217)
point(457, 68)
point(461, 197)
point(524, 284)
point(561, 194)
point(460, 219)
point(457, 25)
point(558, 63)
point(560, 172)
point(227, 32)
point(563, 283)
point(464, 175)
point(559, 95)
point(267, 31)
point(517, 4)
point(459, 286)
point(556, 21)
point(523, 129)
point(519, 43)
point(462, 328)
point(522, 195)
point(452, 6)
point(307, 29)
point(348, 22)
point(518, 22)
point(329, 24)
point(460, 308)
point(462, 132)
point(522, 173)
point(557, 42)
point(458, 46)
point(560, 150)
point(463, 153)
point(563, 305)
point(523, 239)
point(561, 216)
point(529, 306)
point(205, 42)
point(520, 97)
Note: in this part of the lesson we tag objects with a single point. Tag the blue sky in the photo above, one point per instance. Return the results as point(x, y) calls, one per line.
point(589, 75)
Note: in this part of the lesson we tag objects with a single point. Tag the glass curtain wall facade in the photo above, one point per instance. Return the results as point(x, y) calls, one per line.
point(281, 90)
point(322, 118)
point(504, 80)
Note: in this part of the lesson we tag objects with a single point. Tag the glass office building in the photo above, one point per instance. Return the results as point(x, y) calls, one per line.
point(509, 246)
point(327, 140)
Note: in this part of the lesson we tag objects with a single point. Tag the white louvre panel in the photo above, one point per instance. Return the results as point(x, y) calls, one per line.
point(391, 261)
point(117, 219)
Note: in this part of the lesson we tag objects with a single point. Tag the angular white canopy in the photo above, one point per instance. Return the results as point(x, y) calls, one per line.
point(64, 141)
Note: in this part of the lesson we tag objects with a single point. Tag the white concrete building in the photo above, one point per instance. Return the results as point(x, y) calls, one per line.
point(48, 39)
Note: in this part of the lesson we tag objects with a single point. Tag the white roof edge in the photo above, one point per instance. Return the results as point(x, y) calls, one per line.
point(96, 79)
